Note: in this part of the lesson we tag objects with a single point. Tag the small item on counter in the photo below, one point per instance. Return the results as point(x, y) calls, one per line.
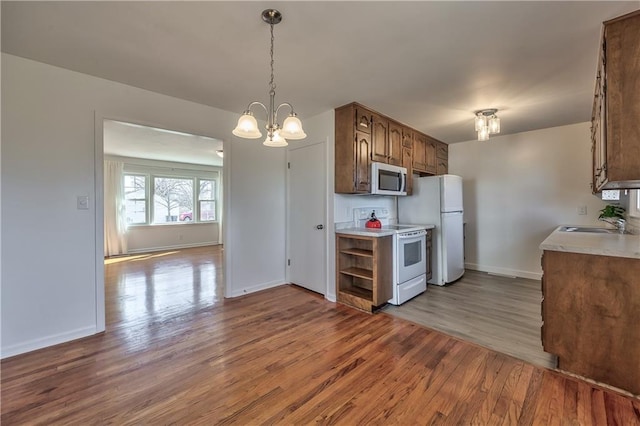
point(373, 222)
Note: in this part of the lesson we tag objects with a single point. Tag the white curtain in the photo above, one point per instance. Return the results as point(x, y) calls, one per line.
point(115, 222)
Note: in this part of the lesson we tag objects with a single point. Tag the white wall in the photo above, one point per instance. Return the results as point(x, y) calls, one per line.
point(177, 235)
point(517, 189)
point(255, 223)
point(50, 269)
point(143, 239)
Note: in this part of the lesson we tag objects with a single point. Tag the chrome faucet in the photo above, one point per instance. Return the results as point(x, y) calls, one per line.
point(619, 223)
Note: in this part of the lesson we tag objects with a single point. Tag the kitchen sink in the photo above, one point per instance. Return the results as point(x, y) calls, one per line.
point(590, 230)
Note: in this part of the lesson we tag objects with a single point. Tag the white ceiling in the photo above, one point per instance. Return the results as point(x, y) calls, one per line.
point(133, 140)
point(427, 64)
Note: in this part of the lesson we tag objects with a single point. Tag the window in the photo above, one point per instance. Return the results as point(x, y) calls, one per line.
point(207, 200)
point(634, 203)
point(172, 199)
point(135, 195)
point(157, 199)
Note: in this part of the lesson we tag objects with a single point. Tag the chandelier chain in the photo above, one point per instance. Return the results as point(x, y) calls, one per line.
point(271, 83)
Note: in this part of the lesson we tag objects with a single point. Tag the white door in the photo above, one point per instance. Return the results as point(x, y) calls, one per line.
point(307, 223)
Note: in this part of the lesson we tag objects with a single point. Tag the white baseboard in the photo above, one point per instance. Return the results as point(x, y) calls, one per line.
point(43, 342)
point(172, 247)
point(253, 289)
point(504, 271)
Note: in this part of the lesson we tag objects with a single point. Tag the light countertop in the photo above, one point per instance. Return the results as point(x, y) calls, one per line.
point(617, 245)
point(373, 232)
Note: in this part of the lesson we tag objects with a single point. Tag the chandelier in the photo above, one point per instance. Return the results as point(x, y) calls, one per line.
point(276, 135)
point(487, 122)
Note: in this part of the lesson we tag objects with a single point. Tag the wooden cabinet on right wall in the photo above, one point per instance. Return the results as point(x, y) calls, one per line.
point(615, 128)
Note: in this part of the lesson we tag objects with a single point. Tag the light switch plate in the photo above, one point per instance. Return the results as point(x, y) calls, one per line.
point(82, 202)
point(582, 210)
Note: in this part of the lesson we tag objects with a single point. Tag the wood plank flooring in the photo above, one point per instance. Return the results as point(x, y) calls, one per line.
point(497, 312)
point(280, 356)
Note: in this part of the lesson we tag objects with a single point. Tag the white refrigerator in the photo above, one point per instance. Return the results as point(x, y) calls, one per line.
point(437, 200)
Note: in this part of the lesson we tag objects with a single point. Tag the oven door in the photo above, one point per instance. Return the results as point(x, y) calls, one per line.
point(411, 261)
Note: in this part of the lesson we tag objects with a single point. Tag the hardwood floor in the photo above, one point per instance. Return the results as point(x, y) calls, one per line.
point(496, 312)
point(280, 356)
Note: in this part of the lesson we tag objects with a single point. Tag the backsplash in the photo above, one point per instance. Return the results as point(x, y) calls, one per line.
point(344, 205)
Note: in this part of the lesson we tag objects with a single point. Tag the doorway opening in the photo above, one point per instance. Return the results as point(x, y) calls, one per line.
point(163, 253)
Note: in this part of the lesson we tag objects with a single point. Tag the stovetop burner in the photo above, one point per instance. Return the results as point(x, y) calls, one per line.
point(398, 227)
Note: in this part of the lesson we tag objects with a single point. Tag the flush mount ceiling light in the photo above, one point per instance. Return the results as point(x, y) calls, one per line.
point(487, 122)
point(276, 135)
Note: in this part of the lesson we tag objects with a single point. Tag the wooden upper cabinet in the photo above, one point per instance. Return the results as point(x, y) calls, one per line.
point(407, 137)
point(395, 144)
point(442, 158)
point(362, 120)
point(352, 150)
point(362, 162)
point(380, 139)
point(363, 136)
point(430, 155)
point(419, 152)
point(442, 166)
point(616, 132)
point(442, 150)
point(407, 162)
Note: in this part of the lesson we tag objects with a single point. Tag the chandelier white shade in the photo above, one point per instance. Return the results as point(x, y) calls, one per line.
point(247, 127)
point(276, 135)
point(486, 123)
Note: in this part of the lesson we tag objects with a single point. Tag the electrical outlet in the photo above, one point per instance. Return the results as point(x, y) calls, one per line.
point(582, 210)
point(611, 194)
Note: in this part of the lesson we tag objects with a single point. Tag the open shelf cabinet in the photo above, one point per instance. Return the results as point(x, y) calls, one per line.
point(364, 271)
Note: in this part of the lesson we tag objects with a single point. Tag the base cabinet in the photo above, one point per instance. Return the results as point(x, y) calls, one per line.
point(590, 313)
point(364, 271)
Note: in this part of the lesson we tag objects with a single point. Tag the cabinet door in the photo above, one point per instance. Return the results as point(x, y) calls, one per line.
point(362, 151)
point(407, 162)
point(620, 125)
point(598, 129)
point(395, 144)
point(407, 137)
point(443, 167)
point(362, 120)
point(442, 151)
point(419, 152)
point(430, 155)
point(380, 139)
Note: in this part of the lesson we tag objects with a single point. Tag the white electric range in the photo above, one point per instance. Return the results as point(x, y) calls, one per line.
point(409, 253)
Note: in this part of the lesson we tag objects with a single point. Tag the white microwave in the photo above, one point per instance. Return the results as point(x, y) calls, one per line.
point(388, 180)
